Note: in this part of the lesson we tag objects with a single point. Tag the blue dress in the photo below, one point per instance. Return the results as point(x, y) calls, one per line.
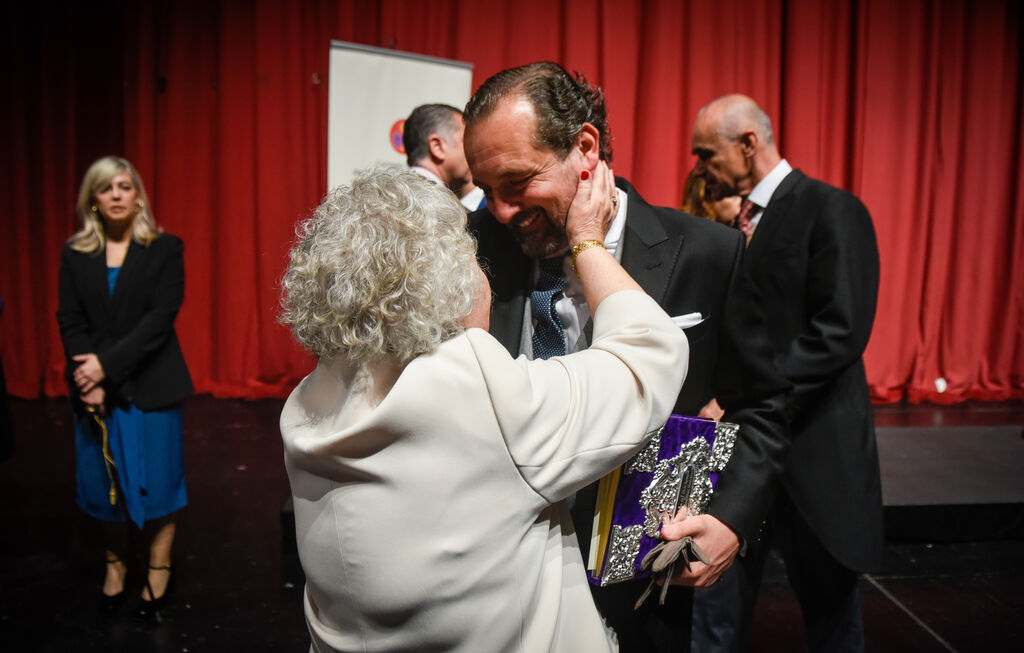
point(149, 462)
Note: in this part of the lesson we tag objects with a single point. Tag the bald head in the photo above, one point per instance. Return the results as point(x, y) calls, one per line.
point(738, 113)
point(734, 144)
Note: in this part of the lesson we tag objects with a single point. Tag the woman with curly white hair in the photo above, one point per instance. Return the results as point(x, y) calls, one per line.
point(429, 468)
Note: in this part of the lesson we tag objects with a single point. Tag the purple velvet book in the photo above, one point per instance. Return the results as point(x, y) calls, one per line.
point(678, 468)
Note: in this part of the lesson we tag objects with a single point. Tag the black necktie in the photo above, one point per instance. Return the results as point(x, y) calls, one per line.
point(548, 339)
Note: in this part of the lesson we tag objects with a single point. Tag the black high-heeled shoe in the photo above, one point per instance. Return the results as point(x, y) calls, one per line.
point(109, 603)
point(152, 610)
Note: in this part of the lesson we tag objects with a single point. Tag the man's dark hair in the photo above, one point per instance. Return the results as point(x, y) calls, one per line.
point(424, 121)
point(562, 104)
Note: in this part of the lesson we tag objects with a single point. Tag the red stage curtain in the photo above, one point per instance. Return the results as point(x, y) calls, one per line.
point(914, 106)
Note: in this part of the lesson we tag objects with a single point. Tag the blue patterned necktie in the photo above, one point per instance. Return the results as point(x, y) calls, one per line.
point(548, 339)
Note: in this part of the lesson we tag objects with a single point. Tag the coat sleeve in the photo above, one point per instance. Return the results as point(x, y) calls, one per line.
point(753, 394)
point(841, 296)
point(569, 420)
point(124, 356)
point(71, 317)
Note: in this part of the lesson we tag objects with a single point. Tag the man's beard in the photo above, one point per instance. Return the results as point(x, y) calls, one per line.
point(714, 189)
point(544, 242)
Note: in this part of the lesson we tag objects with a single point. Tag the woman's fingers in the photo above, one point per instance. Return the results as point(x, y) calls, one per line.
point(89, 371)
point(591, 208)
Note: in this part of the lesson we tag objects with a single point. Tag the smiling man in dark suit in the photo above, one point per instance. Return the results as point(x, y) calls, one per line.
point(813, 257)
point(530, 134)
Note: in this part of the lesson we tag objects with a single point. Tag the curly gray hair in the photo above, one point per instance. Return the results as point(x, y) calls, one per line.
point(383, 268)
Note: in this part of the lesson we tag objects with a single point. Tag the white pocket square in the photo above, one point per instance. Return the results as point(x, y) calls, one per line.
point(688, 320)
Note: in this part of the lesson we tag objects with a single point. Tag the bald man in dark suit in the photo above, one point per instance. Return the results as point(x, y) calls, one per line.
point(813, 257)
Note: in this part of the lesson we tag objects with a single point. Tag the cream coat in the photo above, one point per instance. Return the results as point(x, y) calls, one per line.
point(433, 519)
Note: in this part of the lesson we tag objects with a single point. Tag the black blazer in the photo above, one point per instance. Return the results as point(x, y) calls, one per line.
point(132, 332)
point(688, 265)
point(814, 260)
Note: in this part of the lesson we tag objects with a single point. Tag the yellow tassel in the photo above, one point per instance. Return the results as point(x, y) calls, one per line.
point(108, 460)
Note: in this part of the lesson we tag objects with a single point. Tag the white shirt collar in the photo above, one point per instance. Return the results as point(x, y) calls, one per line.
point(614, 235)
point(420, 170)
point(472, 199)
point(762, 193)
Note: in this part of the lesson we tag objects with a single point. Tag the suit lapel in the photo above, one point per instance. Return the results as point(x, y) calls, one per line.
point(510, 273)
point(94, 272)
point(773, 219)
point(507, 321)
point(649, 254)
point(125, 276)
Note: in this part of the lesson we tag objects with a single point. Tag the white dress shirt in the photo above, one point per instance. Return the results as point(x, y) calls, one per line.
point(762, 193)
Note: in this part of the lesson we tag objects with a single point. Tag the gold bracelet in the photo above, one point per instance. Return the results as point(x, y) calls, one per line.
point(580, 247)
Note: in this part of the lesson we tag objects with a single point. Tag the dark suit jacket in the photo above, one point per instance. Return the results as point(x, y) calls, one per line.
point(132, 332)
point(814, 260)
point(687, 264)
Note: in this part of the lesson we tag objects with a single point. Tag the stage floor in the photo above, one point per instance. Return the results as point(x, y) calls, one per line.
point(239, 587)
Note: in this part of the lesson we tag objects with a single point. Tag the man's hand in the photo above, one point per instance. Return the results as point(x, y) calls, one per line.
point(718, 542)
point(94, 399)
point(712, 411)
point(88, 373)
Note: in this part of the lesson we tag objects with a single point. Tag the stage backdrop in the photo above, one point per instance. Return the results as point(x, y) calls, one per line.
point(371, 93)
point(914, 105)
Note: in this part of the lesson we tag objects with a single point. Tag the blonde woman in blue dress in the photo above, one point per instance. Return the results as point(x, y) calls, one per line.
point(122, 281)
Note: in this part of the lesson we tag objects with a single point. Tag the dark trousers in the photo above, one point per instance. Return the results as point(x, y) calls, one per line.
point(653, 628)
point(825, 589)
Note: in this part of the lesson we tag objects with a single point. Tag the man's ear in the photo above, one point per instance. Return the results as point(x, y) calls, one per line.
point(438, 148)
point(588, 143)
point(748, 143)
